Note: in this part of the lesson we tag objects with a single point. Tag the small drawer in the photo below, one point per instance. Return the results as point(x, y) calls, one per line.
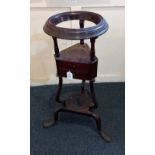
point(79, 70)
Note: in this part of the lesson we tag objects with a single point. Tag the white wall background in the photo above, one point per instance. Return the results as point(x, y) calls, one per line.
point(109, 47)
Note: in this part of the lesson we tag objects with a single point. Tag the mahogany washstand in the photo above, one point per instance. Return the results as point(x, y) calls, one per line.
point(78, 59)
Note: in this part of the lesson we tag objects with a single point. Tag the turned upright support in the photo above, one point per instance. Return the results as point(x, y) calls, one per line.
point(57, 98)
point(56, 48)
point(81, 22)
point(83, 86)
point(92, 51)
point(92, 90)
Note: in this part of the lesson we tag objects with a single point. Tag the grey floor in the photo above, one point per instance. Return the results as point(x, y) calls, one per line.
point(75, 134)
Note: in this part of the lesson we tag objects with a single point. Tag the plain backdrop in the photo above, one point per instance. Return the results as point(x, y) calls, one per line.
point(110, 47)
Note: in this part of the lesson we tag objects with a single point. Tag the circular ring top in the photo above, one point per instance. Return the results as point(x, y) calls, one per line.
point(75, 34)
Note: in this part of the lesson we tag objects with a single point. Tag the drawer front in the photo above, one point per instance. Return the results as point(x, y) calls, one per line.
point(79, 70)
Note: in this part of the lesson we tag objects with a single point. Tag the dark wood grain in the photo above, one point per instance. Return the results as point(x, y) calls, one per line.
point(81, 22)
point(52, 29)
point(80, 60)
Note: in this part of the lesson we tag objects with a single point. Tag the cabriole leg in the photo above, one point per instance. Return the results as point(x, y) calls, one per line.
point(98, 124)
point(52, 120)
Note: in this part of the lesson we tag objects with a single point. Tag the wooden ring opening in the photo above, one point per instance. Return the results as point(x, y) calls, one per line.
point(52, 29)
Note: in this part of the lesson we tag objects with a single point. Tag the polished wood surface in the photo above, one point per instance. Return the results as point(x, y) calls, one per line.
point(77, 60)
point(52, 29)
point(76, 53)
point(80, 60)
